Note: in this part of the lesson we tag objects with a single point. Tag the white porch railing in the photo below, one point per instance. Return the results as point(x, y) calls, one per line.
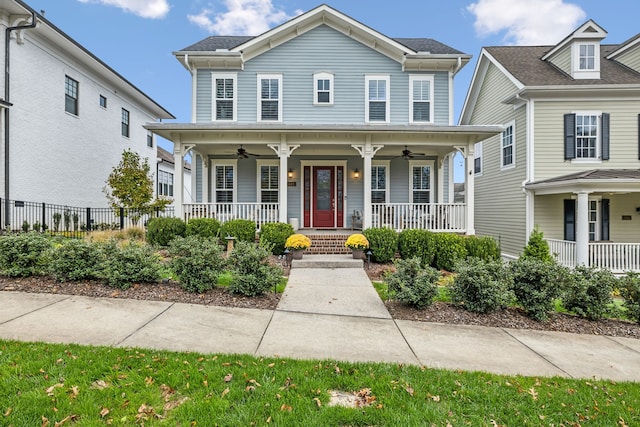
point(450, 217)
point(260, 213)
point(564, 251)
point(617, 257)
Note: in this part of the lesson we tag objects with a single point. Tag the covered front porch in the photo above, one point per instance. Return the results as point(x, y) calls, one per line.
point(338, 177)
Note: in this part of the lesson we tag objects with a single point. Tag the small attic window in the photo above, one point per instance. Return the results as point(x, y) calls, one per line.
point(587, 57)
point(586, 60)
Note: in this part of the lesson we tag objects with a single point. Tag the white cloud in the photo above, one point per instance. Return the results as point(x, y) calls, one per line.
point(243, 17)
point(153, 9)
point(526, 22)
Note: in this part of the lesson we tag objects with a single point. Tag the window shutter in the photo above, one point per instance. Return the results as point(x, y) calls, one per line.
point(605, 136)
point(569, 136)
point(570, 220)
point(604, 206)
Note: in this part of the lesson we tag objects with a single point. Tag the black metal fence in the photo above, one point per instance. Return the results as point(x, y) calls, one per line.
point(16, 215)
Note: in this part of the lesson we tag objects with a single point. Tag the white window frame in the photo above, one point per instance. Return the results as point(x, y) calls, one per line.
point(477, 155)
point(261, 77)
point(165, 178)
point(322, 76)
point(387, 79)
point(597, 224)
point(432, 186)
point(218, 162)
point(72, 92)
point(259, 189)
point(412, 81)
point(225, 76)
point(511, 125)
point(586, 73)
point(597, 158)
point(125, 123)
point(387, 165)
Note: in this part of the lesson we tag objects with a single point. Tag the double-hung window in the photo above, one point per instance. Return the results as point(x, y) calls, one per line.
point(125, 122)
point(586, 60)
point(421, 90)
point(103, 101)
point(149, 139)
point(268, 181)
point(224, 97)
point(323, 89)
point(421, 181)
point(377, 108)
point(379, 182)
point(507, 147)
point(269, 97)
point(224, 182)
point(477, 158)
point(587, 57)
point(165, 183)
point(70, 95)
point(586, 136)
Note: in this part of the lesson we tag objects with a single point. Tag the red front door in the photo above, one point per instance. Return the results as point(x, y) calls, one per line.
point(323, 196)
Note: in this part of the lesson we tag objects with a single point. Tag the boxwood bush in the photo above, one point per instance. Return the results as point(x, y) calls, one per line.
point(208, 228)
point(450, 248)
point(590, 292)
point(129, 264)
point(160, 231)
point(243, 230)
point(383, 243)
point(274, 235)
point(629, 286)
point(417, 243)
point(196, 261)
point(24, 254)
point(481, 286)
point(413, 285)
point(252, 275)
point(484, 247)
point(75, 260)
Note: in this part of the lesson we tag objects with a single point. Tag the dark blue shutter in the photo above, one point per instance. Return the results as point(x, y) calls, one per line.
point(605, 136)
point(570, 220)
point(604, 216)
point(569, 136)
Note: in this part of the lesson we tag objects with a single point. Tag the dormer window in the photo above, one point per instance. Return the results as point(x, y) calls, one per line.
point(586, 60)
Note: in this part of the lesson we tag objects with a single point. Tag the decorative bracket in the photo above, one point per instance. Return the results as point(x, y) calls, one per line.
point(462, 149)
point(187, 148)
point(283, 149)
point(367, 149)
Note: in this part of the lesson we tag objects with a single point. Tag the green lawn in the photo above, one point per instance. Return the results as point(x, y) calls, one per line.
point(48, 384)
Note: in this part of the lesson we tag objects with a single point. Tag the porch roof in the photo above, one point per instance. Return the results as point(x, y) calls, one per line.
point(594, 180)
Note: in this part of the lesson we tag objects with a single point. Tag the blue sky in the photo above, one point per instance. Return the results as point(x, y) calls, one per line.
point(137, 37)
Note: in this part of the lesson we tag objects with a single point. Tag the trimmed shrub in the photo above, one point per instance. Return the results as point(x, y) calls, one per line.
point(197, 261)
point(160, 231)
point(383, 243)
point(629, 286)
point(24, 254)
point(25, 226)
point(208, 228)
point(450, 248)
point(417, 243)
point(133, 263)
point(244, 230)
point(484, 247)
point(252, 275)
point(274, 235)
point(481, 286)
point(590, 292)
point(75, 260)
point(413, 285)
point(537, 247)
point(537, 284)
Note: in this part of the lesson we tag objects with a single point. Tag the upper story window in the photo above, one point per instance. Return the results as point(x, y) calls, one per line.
point(224, 98)
point(507, 148)
point(379, 182)
point(421, 90)
point(586, 60)
point(269, 97)
point(586, 136)
point(477, 158)
point(377, 106)
point(125, 122)
point(587, 57)
point(323, 89)
point(421, 181)
point(103, 101)
point(165, 184)
point(149, 139)
point(70, 95)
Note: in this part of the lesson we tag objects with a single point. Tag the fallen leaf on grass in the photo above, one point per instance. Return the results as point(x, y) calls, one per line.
point(225, 392)
point(228, 378)
point(534, 394)
point(99, 385)
point(318, 402)
point(104, 412)
point(409, 390)
point(8, 412)
point(45, 421)
point(286, 408)
point(50, 390)
point(74, 391)
point(66, 420)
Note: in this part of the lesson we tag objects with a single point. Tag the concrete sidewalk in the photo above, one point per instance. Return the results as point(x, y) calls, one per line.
point(325, 313)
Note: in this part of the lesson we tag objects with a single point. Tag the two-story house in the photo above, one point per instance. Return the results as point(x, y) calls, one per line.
point(568, 159)
point(322, 117)
point(66, 117)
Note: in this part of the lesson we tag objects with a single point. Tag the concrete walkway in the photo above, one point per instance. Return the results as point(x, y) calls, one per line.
point(329, 311)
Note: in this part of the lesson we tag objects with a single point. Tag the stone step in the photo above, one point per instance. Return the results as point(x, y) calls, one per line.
point(327, 261)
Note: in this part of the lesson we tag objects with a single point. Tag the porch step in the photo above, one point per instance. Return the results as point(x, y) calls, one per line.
point(327, 244)
point(327, 261)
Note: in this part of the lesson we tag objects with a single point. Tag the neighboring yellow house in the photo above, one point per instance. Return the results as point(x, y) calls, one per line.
point(568, 160)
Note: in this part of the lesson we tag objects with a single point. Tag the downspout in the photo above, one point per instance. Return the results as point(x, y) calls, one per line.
point(7, 92)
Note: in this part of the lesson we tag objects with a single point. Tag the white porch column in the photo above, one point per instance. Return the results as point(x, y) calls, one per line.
point(368, 155)
point(582, 229)
point(283, 150)
point(469, 189)
point(178, 177)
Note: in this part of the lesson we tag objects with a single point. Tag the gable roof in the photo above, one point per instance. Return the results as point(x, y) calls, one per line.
point(587, 31)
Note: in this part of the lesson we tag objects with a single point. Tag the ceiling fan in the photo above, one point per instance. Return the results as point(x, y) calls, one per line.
point(243, 154)
point(408, 154)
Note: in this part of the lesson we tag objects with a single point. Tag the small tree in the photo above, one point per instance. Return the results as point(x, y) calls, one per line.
point(130, 185)
point(537, 247)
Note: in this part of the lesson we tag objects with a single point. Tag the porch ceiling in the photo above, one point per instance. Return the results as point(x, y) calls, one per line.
point(591, 181)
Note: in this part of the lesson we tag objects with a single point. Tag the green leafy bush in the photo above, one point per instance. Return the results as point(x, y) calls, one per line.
point(537, 247)
point(197, 261)
point(629, 286)
point(537, 284)
point(243, 230)
point(75, 260)
point(412, 284)
point(417, 243)
point(274, 235)
point(23, 254)
point(484, 247)
point(481, 286)
point(252, 275)
point(208, 228)
point(383, 243)
point(25, 226)
point(450, 248)
point(160, 231)
point(129, 264)
point(590, 292)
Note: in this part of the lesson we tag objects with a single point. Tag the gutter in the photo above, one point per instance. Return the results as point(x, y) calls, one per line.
point(7, 92)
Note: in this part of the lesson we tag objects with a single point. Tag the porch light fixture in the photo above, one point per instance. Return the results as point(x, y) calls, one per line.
point(290, 173)
point(356, 173)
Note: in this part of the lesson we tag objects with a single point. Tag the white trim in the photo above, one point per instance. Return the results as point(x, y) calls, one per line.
point(598, 157)
point(422, 163)
point(387, 79)
point(269, 76)
point(387, 174)
point(587, 73)
point(259, 164)
point(323, 76)
point(512, 125)
point(421, 77)
point(225, 76)
point(224, 162)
